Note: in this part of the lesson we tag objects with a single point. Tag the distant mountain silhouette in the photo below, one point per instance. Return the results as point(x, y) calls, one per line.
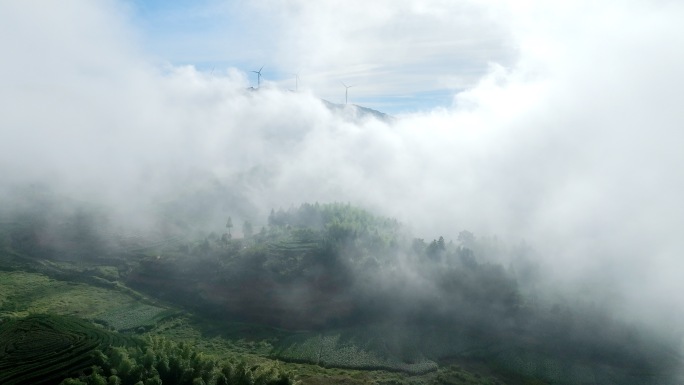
point(351, 111)
point(359, 112)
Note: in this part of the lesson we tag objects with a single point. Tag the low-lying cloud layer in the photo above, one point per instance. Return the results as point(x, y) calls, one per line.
point(575, 148)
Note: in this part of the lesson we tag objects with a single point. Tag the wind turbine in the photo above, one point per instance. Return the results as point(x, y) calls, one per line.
point(296, 81)
point(346, 92)
point(258, 76)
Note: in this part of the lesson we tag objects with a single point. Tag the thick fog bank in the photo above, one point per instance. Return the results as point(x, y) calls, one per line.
point(575, 148)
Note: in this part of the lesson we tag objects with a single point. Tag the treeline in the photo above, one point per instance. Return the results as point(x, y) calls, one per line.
point(333, 228)
point(161, 361)
point(335, 218)
point(322, 265)
point(45, 349)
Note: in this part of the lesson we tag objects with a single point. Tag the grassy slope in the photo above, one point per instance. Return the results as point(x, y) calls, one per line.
point(44, 349)
point(23, 293)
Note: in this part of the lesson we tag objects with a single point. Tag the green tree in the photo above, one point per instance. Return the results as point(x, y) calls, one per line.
point(440, 243)
point(96, 378)
point(436, 248)
point(225, 238)
point(161, 361)
point(149, 359)
point(123, 364)
point(418, 246)
point(467, 239)
point(229, 224)
point(247, 229)
point(73, 381)
point(153, 381)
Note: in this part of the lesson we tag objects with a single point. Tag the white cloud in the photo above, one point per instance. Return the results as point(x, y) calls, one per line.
point(574, 146)
point(388, 49)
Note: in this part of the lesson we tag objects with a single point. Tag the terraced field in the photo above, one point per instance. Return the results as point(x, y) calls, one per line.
point(22, 293)
point(136, 243)
point(357, 349)
point(286, 255)
point(133, 316)
point(44, 349)
point(253, 343)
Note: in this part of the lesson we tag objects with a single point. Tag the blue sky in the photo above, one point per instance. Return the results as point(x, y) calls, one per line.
point(401, 56)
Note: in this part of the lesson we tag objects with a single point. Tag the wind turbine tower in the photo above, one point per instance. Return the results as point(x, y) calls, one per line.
point(346, 92)
point(258, 76)
point(296, 81)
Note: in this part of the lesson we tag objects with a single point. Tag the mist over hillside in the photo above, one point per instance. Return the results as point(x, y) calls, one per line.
point(572, 148)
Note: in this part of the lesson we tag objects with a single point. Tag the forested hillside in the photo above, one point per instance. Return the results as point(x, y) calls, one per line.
point(336, 286)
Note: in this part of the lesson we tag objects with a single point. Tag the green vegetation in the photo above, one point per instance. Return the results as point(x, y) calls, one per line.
point(22, 293)
point(455, 375)
point(160, 361)
point(329, 292)
point(357, 349)
point(133, 316)
point(43, 349)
